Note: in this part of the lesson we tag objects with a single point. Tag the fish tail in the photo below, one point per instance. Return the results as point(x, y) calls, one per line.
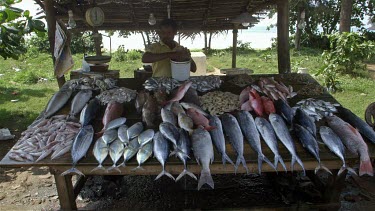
point(205, 178)
point(138, 168)
point(100, 167)
point(322, 167)
point(365, 167)
point(209, 128)
point(72, 170)
point(176, 151)
point(162, 173)
point(299, 161)
point(71, 118)
point(243, 161)
point(100, 133)
point(114, 168)
point(225, 158)
point(121, 164)
point(186, 172)
point(265, 159)
point(278, 158)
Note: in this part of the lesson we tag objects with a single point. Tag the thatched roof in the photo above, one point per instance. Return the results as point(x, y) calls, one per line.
point(200, 15)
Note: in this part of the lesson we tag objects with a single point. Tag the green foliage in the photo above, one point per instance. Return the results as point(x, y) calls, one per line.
point(347, 53)
point(122, 55)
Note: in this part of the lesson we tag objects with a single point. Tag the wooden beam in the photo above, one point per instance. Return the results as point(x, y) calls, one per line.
point(207, 13)
point(51, 24)
point(283, 54)
point(65, 190)
point(234, 51)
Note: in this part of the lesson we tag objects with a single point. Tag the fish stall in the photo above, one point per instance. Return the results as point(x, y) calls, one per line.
point(195, 128)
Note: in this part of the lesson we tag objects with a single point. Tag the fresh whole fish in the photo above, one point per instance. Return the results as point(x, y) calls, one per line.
point(193, 106)
point(285, 111)
point(134, 130)
point(161, 152)
point(150, 111)
point(317, 109)
point(120, 95)
point(358, 123)
point(116, 151)
point(109, 136)
point(161, 96)
point(353, 141)
point(218, 138)
point(100, 152)
point(191, 96)
point(284, 136)
point(81, 144)
point(204, 154)
point(304, 120)
point(180, 92)
point(183, 150)
point(308, 141)
point(130, 150)
point(145, 137)
point(256, 102)
point(122, 134)
point(113, 111)
point(57, 101)
point(266, 131)
point(89, 112)
point(185, 122)
point(233, 132)
point(79, 101)
point(244, 95)
point(268, 105)
point(205, 83)
point(334, 143)
point(176, 108)
point(249, 130)
point(170, 132)
point(141, 100)
point(143, 154)
point(168, 116)
point(168, 83)
point(116, 123)
point(199, 119)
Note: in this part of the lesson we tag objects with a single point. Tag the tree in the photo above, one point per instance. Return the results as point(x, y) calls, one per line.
point(15, 23)
point(345, 15)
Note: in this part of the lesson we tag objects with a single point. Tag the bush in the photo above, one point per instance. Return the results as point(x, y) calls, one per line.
point(133, 55)
point(26, 77)
point(122, 55)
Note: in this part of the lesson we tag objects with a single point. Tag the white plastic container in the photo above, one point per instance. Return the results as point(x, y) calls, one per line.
point(180, 70)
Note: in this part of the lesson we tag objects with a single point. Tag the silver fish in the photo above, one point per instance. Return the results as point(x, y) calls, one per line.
point(169, 131)
point(100, 152)
point(204, 154)
point(233, 131)
point(304, 120)
point(143, 154)
point(79, 101)
point(161, 152)
point(81, 144)
point(185, 122)
point(268, 134)
point(218, 138)
point(130, 150)
point(145, 137)
point(176, 108)
point(109, 136)
point(89, 112)
point(168, 116)
point(182, 150)
point(122, 134)
point(115, 123)
point(134, 130)
point(116, 151)
point(57, 101)
point(195, 107)
point(283, 134)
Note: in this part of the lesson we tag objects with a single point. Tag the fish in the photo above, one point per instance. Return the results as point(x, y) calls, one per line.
point(130, 150)
point(195, 107)
point(116, 151)
point(218, 138)
point(233, 132)
point(79, 101)
point(168, 116)
point(309, 142)
point(185, 122)
point(317, 109)
point(204, 154)
point(246, 106)
point(249, 130)
point(199, 119)
point(122, 134)
point(244, 95)
point(170, 132)
point(358, 123)
point(80, 146)
point(256, 102)
point(285, 111)
point(268, 105)
point(116, 123)
point(266, 131)
point(353, 141)
point(100, 152)
point(150, 111)
point(113, 111)
point(183, 150)
point(143, 154)
point(57, 101)
point(161, 152)
point(284, 136)
point(191, 96)
point(180, 92)
point(141, 100)
point(304, 120)
point(145, 137)
point(109, 136)
point(176, 108)
point(160, 95)
point(334, 143)
point(89, 112)
point(134, 130)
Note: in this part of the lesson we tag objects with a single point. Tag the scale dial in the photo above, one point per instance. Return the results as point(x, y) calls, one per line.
point(95, 16)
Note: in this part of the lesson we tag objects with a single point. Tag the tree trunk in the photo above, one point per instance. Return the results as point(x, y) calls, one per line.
point(205, 42)
point(144, 40)
point(345, 15)
point(148, 37)
point(209, 41)
point(297, 37)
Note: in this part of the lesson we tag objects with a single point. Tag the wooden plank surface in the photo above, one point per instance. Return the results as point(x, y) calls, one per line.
point(175, 166)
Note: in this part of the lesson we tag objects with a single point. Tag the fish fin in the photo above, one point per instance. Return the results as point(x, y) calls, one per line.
point(225, 158)
point(322, 167)
point(280, 159)
point(121, 164)
point(114, 168)
point(265, 159)
point(72, 118)
point(186, 172)
point(100, 133)
point(205, 178)
point(174, 152)
point(239, 161)
point(72, 170)
point(209, 128)
point(100, 167)
point(299, 161)
point(162, 173)
point(365, 167)
point(352, 171)
point(138, 168)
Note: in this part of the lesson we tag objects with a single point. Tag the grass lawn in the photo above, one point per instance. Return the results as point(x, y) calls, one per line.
point(19, 81)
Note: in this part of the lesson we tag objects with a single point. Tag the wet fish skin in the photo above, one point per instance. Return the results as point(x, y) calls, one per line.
point(199, 119)
point(176, 108)
point(161, 152)
point(353, 141)
point(304, 120)
point(134, 130)
point(334, 143)
point(183, 150)
point(145, 137)
point(266, 131)
point(180, 92)
point(233, 132)
point(168, 116)
point(141, 100)
point(57, 101)
point(195, 107)
point(143, 154)
point(88, 113)
point(79, 101)
point(113, 111)
point(109, 136)
point(218, 138)
point(116, 151)
point(122, 134)
point(80, 146)
point(191, 96)
point(100, 152)
point(204, 154)
point(116, 123)
point(285, 111)
point(170, 132)
point(185, 122)
point(150, 111)
point(284, 136)
point(130, 150)
point(249, 130)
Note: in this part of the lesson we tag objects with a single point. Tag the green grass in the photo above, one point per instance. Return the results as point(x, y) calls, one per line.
point(20, 80)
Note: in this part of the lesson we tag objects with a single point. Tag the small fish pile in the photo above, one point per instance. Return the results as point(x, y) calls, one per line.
point(119, 95)
point(205, 83)
point(241, 80)
point(250, 100)
point(153, 84)
point(50, 136)
point(218, 102)
point(311, 89)
point(273, 89)
point(317, 109)
point(97, 82)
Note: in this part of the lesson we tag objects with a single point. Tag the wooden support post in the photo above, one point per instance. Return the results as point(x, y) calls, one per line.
point(234, 51)
point(283, 54)
point(98, 42)
point(79, 185)
point(65, 190)
point(51, 24)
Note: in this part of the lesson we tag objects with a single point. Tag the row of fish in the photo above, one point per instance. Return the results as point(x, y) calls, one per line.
point(317, 109)
point(120, 95)
point(273, 89)
point(92, 83)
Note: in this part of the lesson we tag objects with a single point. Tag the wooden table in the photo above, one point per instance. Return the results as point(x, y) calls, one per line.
point(67, 193)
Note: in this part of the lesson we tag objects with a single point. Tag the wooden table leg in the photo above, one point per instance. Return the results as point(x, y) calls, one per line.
point(65, 191)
